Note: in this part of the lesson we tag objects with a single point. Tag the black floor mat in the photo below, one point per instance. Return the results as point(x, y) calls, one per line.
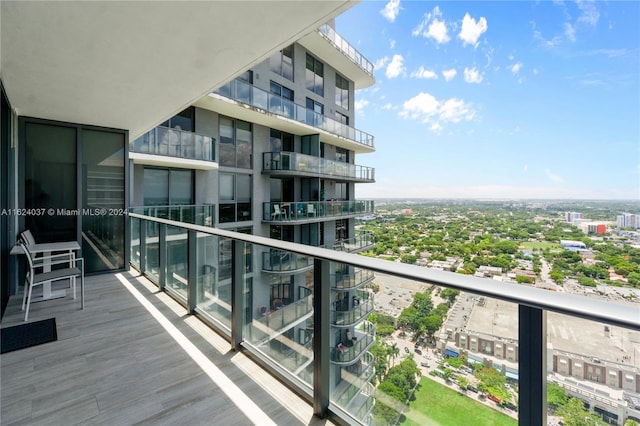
point(27, 335)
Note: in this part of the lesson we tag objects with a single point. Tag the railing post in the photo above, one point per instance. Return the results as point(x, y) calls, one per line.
point(162, 255)
point(532, 358)
point(192, 271)
point(321, 336)
point(237, 292)
point(143, 246)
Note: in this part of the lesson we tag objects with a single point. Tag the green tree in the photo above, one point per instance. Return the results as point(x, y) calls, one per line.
point(389, 402)
point(449, 294)
point(573, 413)
point(556, 397)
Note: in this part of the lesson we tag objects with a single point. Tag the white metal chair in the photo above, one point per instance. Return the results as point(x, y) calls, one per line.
point(278, 212)
point(34, 279)
point(311, 210)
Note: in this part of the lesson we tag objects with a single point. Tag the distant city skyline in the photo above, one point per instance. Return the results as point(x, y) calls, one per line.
point(503, 100)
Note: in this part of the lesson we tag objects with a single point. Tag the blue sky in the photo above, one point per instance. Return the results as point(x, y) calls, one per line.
point(500, 99)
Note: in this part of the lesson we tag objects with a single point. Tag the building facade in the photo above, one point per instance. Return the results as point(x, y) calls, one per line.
point(273, 153)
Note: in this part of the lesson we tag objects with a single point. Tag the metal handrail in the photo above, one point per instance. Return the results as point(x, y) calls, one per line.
point(568, 304)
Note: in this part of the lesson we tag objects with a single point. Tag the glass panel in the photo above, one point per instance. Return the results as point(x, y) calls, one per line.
point(214, 296)
point(227, 213)
point(135, 241)
point(244, 144)
point(226, 187)
point(464, 348)
point(177, 280)
point(280, 324)
point(50, 181)
point(103, 219)
point(593, 367)
point(181, 187)
point(152, 260)
point(156, 187)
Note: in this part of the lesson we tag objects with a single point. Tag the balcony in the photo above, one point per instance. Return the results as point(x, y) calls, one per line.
point(330, 47)
point(348, 313)
point(171, 367)
point(364, 240)
point(284, 262)
point(353, 379)
point(314, 211)
point(245, 101)
point(360, 277)
point(296, 164)
point(203, 214)
point(165, 146)
point(271, 322)
point(364, 338)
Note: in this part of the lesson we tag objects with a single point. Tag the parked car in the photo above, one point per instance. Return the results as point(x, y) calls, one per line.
point(418, 351)
point(406, 349)
point(511, 406)
point(472, 388)
point(424, 364)
point(493, 398)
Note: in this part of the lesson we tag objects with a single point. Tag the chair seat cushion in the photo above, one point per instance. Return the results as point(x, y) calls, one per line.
point(57, 274)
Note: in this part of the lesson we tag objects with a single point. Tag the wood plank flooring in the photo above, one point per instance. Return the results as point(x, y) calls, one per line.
point(115, 363)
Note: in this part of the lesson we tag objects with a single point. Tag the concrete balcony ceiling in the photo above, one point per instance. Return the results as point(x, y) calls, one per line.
point(132, 65)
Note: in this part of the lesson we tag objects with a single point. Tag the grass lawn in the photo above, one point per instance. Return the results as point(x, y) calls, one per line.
point(436, 404)
point(540, 245)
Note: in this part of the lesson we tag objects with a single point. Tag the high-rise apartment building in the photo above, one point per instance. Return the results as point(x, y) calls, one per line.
point(273, 153)
point(628, 220)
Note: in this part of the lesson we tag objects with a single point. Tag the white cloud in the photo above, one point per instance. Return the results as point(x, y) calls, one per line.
point(380, 63)
point(392, 43)
point(395, 67)
point(515, 68)
point(590, 14)
point(570, 31)
point(472, 75)
point(535, 71)
point(449, 74)
point(360, 104)
point(388, 106)
point(472, 30)
point(424, 73)
point(553, 177)
point(433, 27)
point(391, 10)
point(455, 110)
point(525, 168)
point(425, 108)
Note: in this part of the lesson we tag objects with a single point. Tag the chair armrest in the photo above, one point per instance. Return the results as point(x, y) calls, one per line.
point(60, 262)
point(41, 259)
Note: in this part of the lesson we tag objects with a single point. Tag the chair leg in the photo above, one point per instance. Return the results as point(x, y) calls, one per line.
point(82, 291)
point(24, 292)
point(26, 314)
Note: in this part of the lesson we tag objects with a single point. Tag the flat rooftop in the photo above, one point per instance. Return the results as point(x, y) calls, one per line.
point(566, 333)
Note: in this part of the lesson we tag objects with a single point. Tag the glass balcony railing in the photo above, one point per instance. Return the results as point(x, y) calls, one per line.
point(350, 312)
point(347, 49)
point(363, 240)
point(587, 346)
point(284, 261)
point(360, 277)
point(241, 91)
point(305, 210)
point(363, 338)
point(309, 164)
point(293, 356)
point(195, 214)
point(354, 377)
point(272, 320)
point(175, 143)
